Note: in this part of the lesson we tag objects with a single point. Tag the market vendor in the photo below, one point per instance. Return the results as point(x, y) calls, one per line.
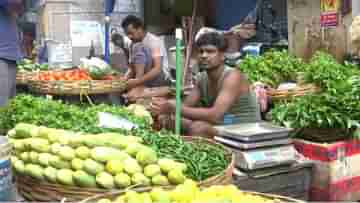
point(141, 63)
point(10, 51)
point(222, 94)
point(148, 57)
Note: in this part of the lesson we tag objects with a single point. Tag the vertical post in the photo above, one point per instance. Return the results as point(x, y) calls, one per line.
point(178, 81)
point(107, 41)
point(109, 7)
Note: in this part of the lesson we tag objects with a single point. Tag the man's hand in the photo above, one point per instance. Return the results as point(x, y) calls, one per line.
point(244, 31)
point(134, 94)
point(162, 106)
point(132, 83)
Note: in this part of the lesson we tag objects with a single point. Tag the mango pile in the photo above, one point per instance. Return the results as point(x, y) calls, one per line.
point(189, 192)
point(107, 160)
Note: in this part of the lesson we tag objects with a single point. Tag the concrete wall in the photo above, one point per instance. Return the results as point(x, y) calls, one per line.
point(300, 14)
point(355, 7)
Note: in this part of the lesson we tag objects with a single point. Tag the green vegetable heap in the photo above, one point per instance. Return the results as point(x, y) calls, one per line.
point(272, 68)
point(336, 107)
point(202, 160)
point(28, 65)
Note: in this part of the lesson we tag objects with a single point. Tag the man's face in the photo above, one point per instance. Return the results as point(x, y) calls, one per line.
point(134, 34)
point(210, 57)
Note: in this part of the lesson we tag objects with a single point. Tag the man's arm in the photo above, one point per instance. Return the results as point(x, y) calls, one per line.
point(139, 60)
point(233, 87)
point(193, 98)
point(153, 73)
point(129, 74)
point(139, 73)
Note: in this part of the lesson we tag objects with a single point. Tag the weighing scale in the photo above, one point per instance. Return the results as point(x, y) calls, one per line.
point(265, 157)
point(253, 132)
point(258, 145)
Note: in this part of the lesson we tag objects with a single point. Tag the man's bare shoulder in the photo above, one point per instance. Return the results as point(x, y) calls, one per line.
point(235, 77)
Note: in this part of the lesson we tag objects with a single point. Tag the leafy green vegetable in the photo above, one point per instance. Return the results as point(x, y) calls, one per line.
point(326, 72)
point(56, 114)
point(336, 107)
point(28, 65)
point(272, 68)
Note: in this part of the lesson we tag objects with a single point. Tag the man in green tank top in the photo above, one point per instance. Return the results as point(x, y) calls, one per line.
point(222, 94)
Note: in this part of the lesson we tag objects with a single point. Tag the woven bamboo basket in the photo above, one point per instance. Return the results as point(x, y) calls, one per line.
point(325, 135)
point(88, 87)
point(224, 177)
point(23, 77)
point(301, 90)
point(35, 190)
point(113, 195)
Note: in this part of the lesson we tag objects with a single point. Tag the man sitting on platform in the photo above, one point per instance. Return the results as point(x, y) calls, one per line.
point(147, 58)
point(222, 94)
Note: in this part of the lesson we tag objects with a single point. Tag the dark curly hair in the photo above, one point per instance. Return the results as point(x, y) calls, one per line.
point(135, 21)
point(214, 39)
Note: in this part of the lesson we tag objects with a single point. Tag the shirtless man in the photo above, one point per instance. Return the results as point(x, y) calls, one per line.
point(222, 94)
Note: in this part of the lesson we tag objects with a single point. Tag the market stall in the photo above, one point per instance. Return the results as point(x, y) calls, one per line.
point(324, 115)
point(90, 152)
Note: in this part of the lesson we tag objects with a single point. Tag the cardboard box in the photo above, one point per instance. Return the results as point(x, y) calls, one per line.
point(336, 174)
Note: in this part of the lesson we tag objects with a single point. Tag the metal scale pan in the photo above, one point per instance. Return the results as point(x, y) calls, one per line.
point(253, 132)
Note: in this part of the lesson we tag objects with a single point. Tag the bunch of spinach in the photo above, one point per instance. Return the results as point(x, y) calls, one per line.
point(324, 71)
point(337, 107)
point(272, 68)
point(312, 111)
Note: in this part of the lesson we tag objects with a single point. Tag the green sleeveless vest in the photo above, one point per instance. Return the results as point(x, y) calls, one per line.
point(245, 110)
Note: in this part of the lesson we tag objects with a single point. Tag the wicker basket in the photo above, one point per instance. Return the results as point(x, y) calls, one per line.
point(300, 90)
point(324, 135)
point(23, 77)
point(226, 176)
point(113, 195)
point(35, 190)
point(63, 87)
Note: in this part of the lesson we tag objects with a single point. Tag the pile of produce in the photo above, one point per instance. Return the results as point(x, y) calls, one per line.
point(272, 68)
point(56, 114)
point(67, 75)
point(189, 192)
point(326, 72)
point(87, 160)
point(202, 160)
point(96, 67)
point(336, 107)
point(74, 75)
point(28, 65)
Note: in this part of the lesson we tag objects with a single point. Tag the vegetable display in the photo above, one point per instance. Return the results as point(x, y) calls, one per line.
point(56, 114)
point(326, 72)
point(28, 65)
point(189, 192)
point(107, 161)
point(272, 68)
point(336, 107)
point(202, 160)
point(96, 67)
point(67, 75)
